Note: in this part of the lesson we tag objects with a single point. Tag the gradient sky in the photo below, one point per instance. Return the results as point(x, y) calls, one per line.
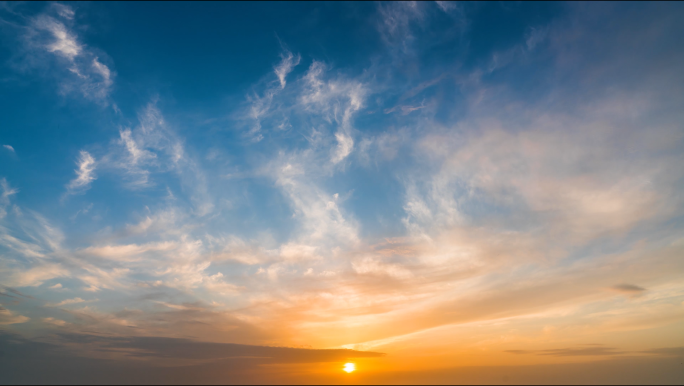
point(262, 192)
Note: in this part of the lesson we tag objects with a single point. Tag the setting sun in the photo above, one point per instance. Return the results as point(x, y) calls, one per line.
point(349, 367)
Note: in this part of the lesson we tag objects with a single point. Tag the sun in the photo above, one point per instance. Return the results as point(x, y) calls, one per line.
point(349, 367)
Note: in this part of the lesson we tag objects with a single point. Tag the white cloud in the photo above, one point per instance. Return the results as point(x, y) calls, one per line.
point(337, 101)
point(51, 41)
point(37, 275)
point(322, 221)
point(136, 160)
point(7, 317)
point(154, 147)
point(64, 42)
point(287, 63)
point(64, 11)
point(67, 302)
point(56, 322)
point(8, 147)
point(396, 22)
point(85, 174)
point(371, 265)
point(7, 192)
point(345, 145)
point(129, 252)
point(56, 286)
point(260, 106)
point(216, 284)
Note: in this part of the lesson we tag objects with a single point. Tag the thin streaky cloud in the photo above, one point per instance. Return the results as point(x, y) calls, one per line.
point(85, 174)
point(288, 62)
point(7, 192)
point(52, 42)
point(67, 302)
point(10, 148)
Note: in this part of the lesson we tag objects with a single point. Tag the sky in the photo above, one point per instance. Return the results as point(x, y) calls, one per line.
point(263, 192)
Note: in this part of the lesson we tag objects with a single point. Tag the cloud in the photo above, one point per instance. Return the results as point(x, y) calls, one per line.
point(85, 174)
point(369, 265)
point(153, 147)
point(490, 222)
point(37, 275)
point(288, 61)
point(137, 157)
point(15, 294)
point(126, 358)
point(67, 302)
point(599, 350)
point(7, 192)
point(666, 351)
point(56, 286)
point(534, 37)
point(57, 359)
point(322, 220)
point(396, 22)
point(335, 100)
point(64, 42)
point(64, 10)
point(628, 288)
point(8, 147)
point(447, 6)
point(569, 352)
point(51, 41)
point(7, 317)
point(404, 109)
point(56, 322)
point(161, 347)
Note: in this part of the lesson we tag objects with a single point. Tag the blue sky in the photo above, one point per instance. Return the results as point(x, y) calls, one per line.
point(369, 176)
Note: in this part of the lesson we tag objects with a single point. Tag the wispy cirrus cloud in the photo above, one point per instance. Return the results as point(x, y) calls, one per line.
point(85, 174)
point(336, 100)
point(10, 148)
point(50, 42)
point(573, 351)
point(7, 192)
point(153, 147)
point(260, 104)
point(67, 302)
point(288, 61)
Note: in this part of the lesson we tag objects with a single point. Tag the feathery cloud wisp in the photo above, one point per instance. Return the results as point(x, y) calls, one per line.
point(287, 63)
point(67, 302)
point(85, 174)
point(51, 42)
point(7, 192)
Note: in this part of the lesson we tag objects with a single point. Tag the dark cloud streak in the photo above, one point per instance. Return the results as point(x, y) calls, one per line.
point(628, 288)
point(175, 348)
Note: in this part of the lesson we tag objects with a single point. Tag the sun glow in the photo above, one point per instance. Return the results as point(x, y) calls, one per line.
point(349, 367)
